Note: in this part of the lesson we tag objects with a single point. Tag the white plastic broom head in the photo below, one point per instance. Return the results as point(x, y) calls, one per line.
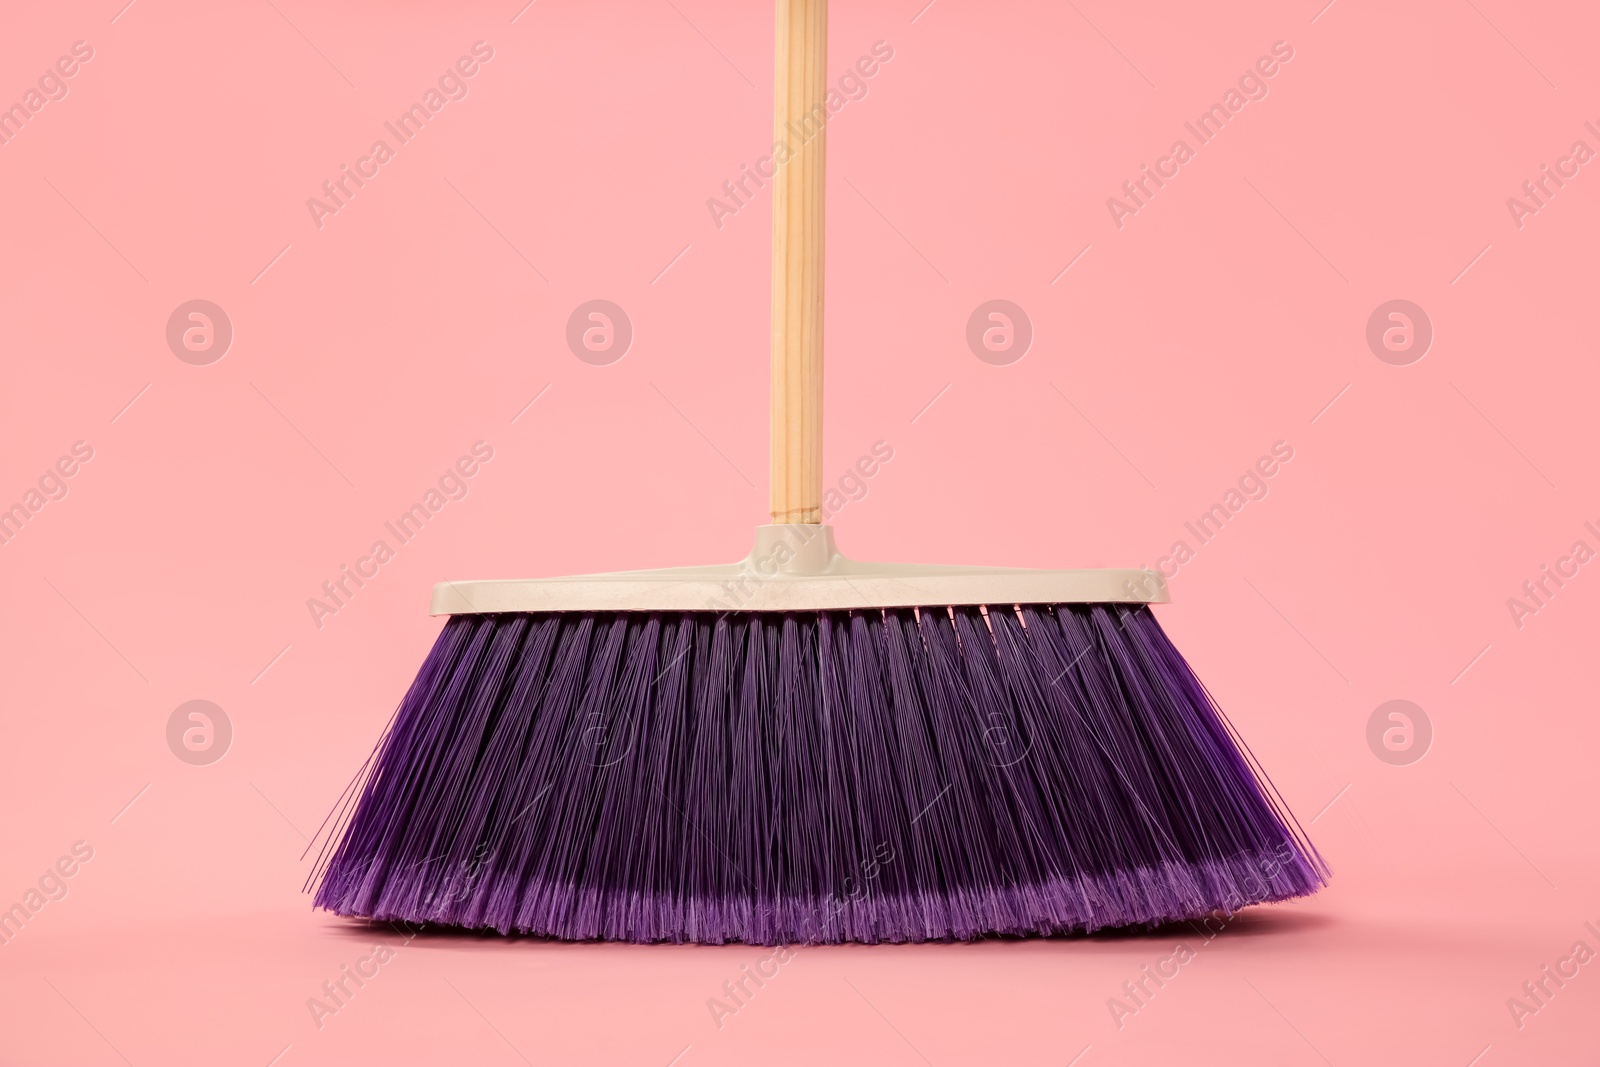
point(797, 567)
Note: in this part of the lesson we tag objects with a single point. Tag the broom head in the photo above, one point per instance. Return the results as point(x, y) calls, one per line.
point(801, 748)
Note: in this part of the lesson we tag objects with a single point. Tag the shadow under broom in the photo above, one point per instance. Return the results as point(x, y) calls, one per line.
point(802, 748)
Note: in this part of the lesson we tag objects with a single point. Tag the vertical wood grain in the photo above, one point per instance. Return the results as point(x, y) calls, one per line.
point(797, 258)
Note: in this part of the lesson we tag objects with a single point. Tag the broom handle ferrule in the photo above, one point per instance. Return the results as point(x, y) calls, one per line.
point(800, 87)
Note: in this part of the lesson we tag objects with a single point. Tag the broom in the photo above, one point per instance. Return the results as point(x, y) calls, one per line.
point(802, 748)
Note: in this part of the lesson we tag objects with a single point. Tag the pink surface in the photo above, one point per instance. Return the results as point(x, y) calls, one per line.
point(210, 498)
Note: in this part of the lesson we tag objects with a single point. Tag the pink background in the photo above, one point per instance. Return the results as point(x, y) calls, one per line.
point(424, 316)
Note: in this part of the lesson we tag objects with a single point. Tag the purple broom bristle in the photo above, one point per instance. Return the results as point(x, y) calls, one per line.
point(897, 775)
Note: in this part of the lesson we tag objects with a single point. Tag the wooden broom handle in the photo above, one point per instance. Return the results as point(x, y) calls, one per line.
point(800, 87)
